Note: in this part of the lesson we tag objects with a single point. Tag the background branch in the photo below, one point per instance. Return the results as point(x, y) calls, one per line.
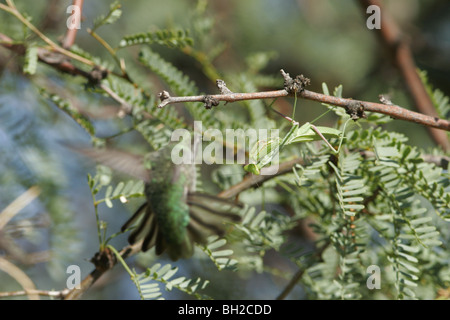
point(20, 276)
point(398, 47)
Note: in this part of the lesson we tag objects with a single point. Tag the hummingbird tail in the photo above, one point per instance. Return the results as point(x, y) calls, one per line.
point(207, 215)
point(147, 230)
point(210, 215)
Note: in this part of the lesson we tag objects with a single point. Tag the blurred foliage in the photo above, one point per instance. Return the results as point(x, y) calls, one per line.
point(391, 211)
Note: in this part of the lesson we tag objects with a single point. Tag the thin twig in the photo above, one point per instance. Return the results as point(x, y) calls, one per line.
point(35, 292)
point(120, 62)
point(18, 204)
point(231, 97)
point(125, 107)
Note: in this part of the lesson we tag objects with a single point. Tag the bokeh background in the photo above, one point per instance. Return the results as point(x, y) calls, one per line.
point(326, 40)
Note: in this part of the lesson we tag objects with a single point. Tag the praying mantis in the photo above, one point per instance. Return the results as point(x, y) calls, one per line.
point(265, 151)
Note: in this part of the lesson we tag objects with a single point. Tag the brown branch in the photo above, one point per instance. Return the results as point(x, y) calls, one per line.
point(392, 38)
point(230, 97)
point(394, 111)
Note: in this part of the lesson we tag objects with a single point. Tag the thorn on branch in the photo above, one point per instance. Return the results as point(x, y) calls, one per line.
point(294, 85)
point(164, 97)
point(210, 102)
point(384, 99)
point(223, 87)
point(355, 110)
point(97, 75)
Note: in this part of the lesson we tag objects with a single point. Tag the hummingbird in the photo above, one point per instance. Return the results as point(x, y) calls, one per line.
point(175, 215)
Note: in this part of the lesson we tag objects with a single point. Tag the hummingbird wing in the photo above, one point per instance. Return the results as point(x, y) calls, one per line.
point(130, 164)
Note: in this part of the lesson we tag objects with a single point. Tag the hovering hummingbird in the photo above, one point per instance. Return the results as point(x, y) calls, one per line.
point(175, 215)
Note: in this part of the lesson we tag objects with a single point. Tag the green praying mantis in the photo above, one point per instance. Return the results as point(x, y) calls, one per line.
point(265, 151)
